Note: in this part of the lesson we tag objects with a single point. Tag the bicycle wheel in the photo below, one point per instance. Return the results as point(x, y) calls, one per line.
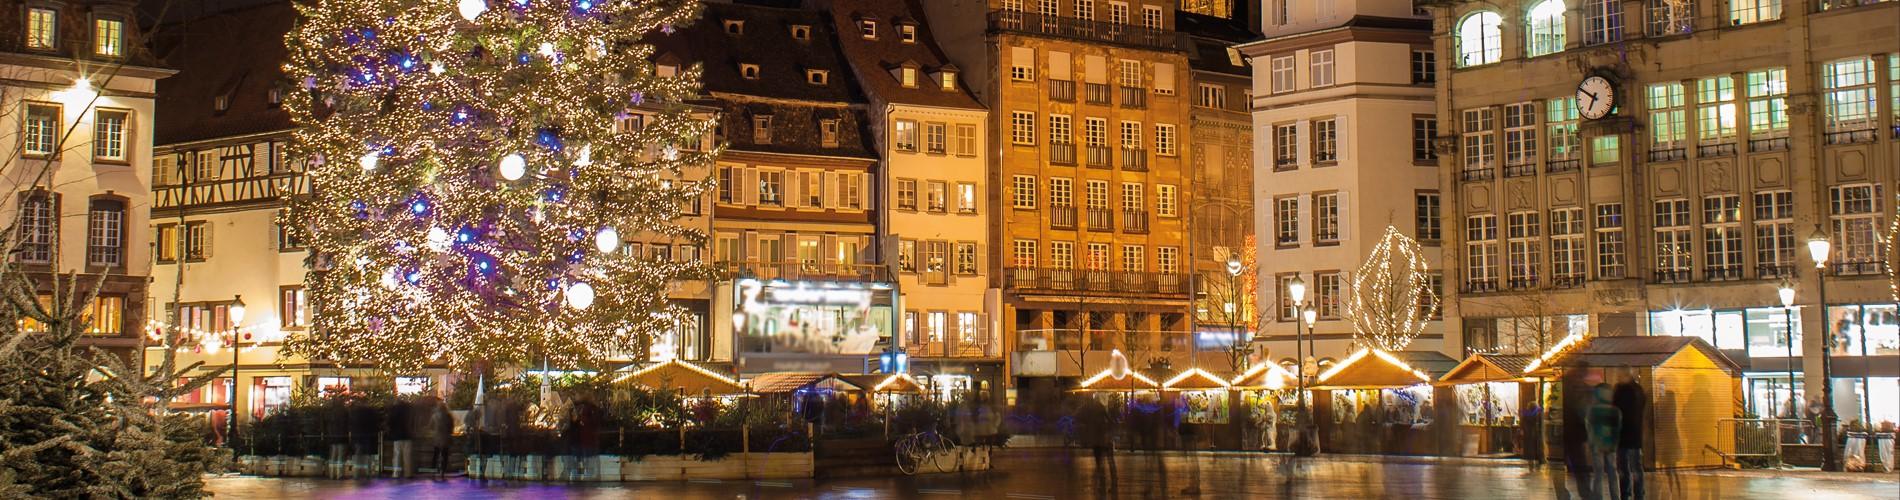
point(907, 459)
point(943, 455)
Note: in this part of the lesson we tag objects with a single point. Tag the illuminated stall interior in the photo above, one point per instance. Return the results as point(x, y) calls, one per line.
point(1377, 401)
point(1268, 396)
point(1491, 391)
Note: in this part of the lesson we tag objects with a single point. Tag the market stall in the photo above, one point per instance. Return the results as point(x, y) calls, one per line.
point(1267, 396)
point(1113, 391)
point(1381, 402)
point(1691, 388)
point(1493, 396)
point(683, 376)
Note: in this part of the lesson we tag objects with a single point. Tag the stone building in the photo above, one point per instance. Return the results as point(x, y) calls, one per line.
point(1220, 149)
point(1658, 168)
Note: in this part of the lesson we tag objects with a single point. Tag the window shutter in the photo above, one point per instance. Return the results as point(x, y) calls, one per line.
point(833, 184)
point(748, 246)
point(1164, 78)
point(1341, 152)
point(828, 252)
point(1023, 56)
point(1059, 63)
point(1305, 217)
point(1096, 69)
point(1345, 216)
point(1303, 143)
point(747, 192)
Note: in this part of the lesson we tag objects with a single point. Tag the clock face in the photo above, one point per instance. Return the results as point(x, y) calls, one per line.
point(1595, 97)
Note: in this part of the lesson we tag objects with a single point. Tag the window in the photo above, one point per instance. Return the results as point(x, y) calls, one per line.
point(906, 194)
point(41, 130)
point(1131, 135)
point(1061, 255)
point(1023, 254)
point(108, 135)
point(936, 196)
point(853, 190)
point(1164, 139)
point(1023, 192)
point(1097, 257)
point(907, 33)
point(287, 240)
point(905, 136)
point(1118, 12)
point(817, 76)
point(1742, 12)
point(1288, 312)
point(1061, 192)
point(205, 166)
point(1667, 123)
point(38, 228)
point(1566, 246)
point(1602, 21)
point(1674, 254)
point(1424, 130)
point(1085, 9)
point(1481, 251)
point(1480, 143)
point(966, 198)
point(1768, 103)
point(1060, 130)
point(1424, 66)
point(1022, 64)
point(1325, 141)
point(1129, 73)
point(293, 307)
point(1286, 221)
point(966, 139)
point(1854, 212)
point(1321, 67)
point(1285, 146)
point(936, 258)
point(1605, 150)
point(1522, 248)
point(934, 137)
point(965, 259)
point(1022, 128)
point(946, 80)
point(814, 193)
point(1715, 110)
point(1849, 101)
point(1560, 119)
point(108, 316)
point(771, 187)
point(1546, 28)
point(1670, 17)
point(1096, 194)
point(1774, 232)
point(165, 243)
point(42, 28)
point(197, 241)
point(762, 129)
point(908, 77)
point(801, 32)
point(1132, 196)
point(1326, 293)
point(1722, 236)
point(1134, 258)
point(868, 28)
point(907, 256)
point(1168, 260)
point(1425, 215)
point(105, 233)
point(1609, 240)
point(1164, 200)
point(726, 182)
point(1151, 17)
point(1479, 38)
point(746, 71)
point(1212, 96)
point(1282, 73)
point(1520, 134)
point(108, 37)
point(1325, 218)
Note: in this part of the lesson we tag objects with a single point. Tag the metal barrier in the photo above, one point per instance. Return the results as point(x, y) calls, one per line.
point(1753, 438)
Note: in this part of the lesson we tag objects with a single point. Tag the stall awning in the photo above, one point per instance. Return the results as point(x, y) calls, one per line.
point(1379, 369)
point(1194, 379)
point(1265, 376)
point(683, 376)
point(885, 383)
point(1105, 381)
point(1487, 368)
point(788, 382)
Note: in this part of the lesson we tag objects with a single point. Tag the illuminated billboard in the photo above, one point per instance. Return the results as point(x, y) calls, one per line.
point(811, 317)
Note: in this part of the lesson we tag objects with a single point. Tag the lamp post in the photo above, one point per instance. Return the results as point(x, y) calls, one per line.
point(1818, 247)
point(1309, 432)
point(1787, 319)
point(236, 311)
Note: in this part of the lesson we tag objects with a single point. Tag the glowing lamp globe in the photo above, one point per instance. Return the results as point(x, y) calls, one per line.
point(513, 166)
point(471, 9)
point(580, 295)
point(370, 160)
point(607, 239)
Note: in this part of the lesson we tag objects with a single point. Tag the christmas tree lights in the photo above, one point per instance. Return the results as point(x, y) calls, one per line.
point(1392, 298)
point(489, 164)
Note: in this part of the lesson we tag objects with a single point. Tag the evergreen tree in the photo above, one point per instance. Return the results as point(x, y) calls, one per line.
point(473, 165)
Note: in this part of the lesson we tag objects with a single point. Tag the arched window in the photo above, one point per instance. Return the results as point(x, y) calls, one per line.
point(1478, 39)
point(1545, 33)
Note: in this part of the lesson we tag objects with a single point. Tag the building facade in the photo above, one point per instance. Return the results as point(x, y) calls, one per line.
point(79, 86)
point(1657, 168)
point(1220, 149)
point(1343, 120)
point(1089, 160)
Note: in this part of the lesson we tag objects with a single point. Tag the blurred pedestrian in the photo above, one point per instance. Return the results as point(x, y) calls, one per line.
point(399, 430)
point(1630, 400)
point(1188, 434)
point(1093, 427)
point(441, 434)
point(365, 438)
point(1606, 424)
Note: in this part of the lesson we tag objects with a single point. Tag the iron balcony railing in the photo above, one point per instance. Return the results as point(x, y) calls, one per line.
point(1097, 156)
point(1715, 150)
point(1086, 30)
point(1556, 166)
point(1062, 153)
point(1095, 93)
point(1101, 219)
point(1768, 144)
point(1134, 97)
point(1480, 285)
point(1135, 160)
point(1722, 273)
point(1062, 90)
point(1524, 170)
point(1670, 276)
point(1079, 280)
point(1671, 154)
point(1773, 271)
point(1478, 174)
point(1062, 217)
point(1135, 221)
point(1859, 268)
point(1851, 136)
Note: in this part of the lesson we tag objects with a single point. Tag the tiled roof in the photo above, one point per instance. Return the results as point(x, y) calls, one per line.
point(1641, 351)
point(874, 60)
point(1433, 363)
point(765, 40)
point(1212, 39)
point(236, 54)
point(1513, 363)
point(783, 382)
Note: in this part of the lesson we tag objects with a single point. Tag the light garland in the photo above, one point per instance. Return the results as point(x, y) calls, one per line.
point(1090, 382)
point(1276, 380)
point(1382, 355)
point(1194, 372)
point(486, 159)
point(1559, 348)
point(1384, 304)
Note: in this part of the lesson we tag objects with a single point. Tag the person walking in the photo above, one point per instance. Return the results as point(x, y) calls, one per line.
point(365, 442)
point(1630, 400)
point(1606, 423)
point(1093, 422)
point(399, 424)
point(441, 435)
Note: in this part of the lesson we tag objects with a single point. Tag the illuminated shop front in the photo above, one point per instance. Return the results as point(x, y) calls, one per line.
point(1865, 340)
point(810, 325)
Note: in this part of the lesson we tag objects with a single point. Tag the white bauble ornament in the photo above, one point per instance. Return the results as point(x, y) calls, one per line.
point(438, 239)
point(607, 240)
point(370, 160)
point(580, 295)
point(513, 166)
point(471, 9)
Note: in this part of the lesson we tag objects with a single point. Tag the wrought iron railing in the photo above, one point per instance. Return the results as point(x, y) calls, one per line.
point(1101, 219)
point(1135, 221)
point(1062, 153)
point(1134, 97)
point(1087, 30)
point(1062, 90)
point(1768, 144)
point(1135, 160)
point(1062, 217)
point(1097, 156)
point(1077, 280)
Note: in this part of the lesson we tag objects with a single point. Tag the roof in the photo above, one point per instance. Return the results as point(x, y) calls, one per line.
point(1105, 381)
point(685, 376)
point(1194, 379)
point(885, 382)
point(237, 54)
point(1641, 351)
point(764, 40)
point(874, 60)
point(1375, 368)
point(784, 382)
point(1212, 40)
point(1265, 376)
point(1487, 368)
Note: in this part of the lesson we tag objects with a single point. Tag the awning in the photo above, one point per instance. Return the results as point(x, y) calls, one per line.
point(1105, 381)
point(1479, 368)
point(1265, 376)
point(885, 383)
point(683, 376)
point(1194, 379)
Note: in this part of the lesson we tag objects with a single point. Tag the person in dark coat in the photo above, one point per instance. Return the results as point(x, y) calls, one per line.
point(441, 434)
point(365, 427)
point(399, 429)
point(1631, 400)
point(1576, 398)
point(1093, 426)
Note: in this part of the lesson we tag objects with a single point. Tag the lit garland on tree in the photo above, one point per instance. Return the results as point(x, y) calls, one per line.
point(469, 176)
point(1392, 298)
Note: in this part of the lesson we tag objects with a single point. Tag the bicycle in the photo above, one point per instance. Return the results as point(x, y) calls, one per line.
point(927, 446)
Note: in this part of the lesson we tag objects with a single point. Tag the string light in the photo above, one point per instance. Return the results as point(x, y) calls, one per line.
point(1392, 298)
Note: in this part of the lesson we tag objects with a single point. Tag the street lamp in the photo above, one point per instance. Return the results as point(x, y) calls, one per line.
point(236, 311)
point(1786, 291)
point(1308, 432)
point(1818, 249)
point(1238, 348)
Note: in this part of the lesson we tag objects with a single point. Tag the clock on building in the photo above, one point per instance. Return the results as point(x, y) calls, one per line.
point(1596, 97)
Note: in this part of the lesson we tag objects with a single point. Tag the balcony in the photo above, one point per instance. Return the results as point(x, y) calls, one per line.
point(1667, 276)
point(1774, 271)
point(1851, 136)
point(1671, 154)
point(1480, 285)
point(1074, 280)
point(1571, 281)
point(1715, 150)
point(1135, 221)
point(1086, 30)
point(1095, 93)
point(1062, 90)
point(1062, 154)
point(1862, 268)
point(1722, 273)
point(1524, 170)
point(973, 344)
point(230, 192)
point(1101, 219)
point(1521, 283)
point(1098, 156)
point(1062, 217)
point(1768, 144)
point(1558, 166)
point(1477, 174)
point(1135, 160)
point(1134, 97)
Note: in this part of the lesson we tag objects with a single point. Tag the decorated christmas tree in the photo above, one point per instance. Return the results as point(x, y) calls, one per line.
point(474, 165)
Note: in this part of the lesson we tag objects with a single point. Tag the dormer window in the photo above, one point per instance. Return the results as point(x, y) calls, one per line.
point(909, 75)
point(42, 28)
point(735, 27)
point(947, 79)
point(817, 76)
point(907, 33)
point(276, 96)
point(801, 32)
point(762, 129)
point(666, 70)
point(108, 37)
point(749, 71)
point(221, 103)
point(868, 27)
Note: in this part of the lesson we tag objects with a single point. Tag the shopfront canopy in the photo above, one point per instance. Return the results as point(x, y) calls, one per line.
point(888, 383)
point(1195, 379)
point(1265, 376)
point(1478, 368)
point(1105, 381)
point(1380, 369)
point(682, 376)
